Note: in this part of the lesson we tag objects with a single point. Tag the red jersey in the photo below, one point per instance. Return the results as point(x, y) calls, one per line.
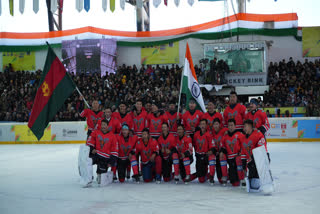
point(127, 118)
point(146, 151)
point(191, 121)
point(168, 142)
point(252, 141)
point(125, 147)
point(173, 123)
point(238, 112)
point(217, 137)
point(231, 143)
point(202, 142)
point(113, 125)
point(184, 145)
point(139, 122)
point(210, 117)
point(105, 144)
point(92, 117)
point(260, 120)
point(154, 124)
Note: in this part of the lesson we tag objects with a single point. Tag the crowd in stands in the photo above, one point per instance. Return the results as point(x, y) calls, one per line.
point(291, 84)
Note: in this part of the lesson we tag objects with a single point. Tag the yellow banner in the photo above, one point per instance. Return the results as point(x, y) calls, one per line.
point(311, 41)
point(20, 60)
point(161, 54)
point(24, 134)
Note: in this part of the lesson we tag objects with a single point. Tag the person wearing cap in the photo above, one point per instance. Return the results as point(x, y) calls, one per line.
point(148, 149)
point(174, 118)
point(127, 157)
point(259, 118)
point(155, 120)
point(234, 111)
point(211, 114)
point(123, 116)
point(191, 118)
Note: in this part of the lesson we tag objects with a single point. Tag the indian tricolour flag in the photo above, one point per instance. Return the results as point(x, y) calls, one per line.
point(190, 85)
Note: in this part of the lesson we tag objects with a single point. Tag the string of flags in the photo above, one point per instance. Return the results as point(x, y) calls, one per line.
point(85, 4)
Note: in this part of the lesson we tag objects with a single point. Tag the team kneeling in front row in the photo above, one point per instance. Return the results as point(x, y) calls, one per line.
point(226, 151)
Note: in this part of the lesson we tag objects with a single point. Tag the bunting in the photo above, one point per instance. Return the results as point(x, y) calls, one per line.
point(11, 7)
point(166, 2)
point(112, 5)
point(156, 3)
point(191, 2)
point(104, 5)
point(35, 6)
point(21, 6)
point(122, 4)
point(87, 5)
point(54, 6)
point(79, 5)
point(177, 2)
point(0, 8)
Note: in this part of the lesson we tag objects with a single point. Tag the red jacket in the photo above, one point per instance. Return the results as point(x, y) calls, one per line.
point(92, 117)
point(191, 121)
point(250, 142)
point(105, 144)
point(127, 118)
point(146, 151)
point(217, 137)
point(238, 112)
point(139, 122)
point(168, 142)
point(184, 146)
point(125, 147)
point(202, 142)
point(230, 144)
point(173, 123)
point(113, 125)
point(154, 124)
point(210, 119)
point(260, 120)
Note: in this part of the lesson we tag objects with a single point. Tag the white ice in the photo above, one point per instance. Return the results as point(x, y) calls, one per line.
point(44, 179)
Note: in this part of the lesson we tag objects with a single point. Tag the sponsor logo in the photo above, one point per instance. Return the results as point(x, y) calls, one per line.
point(69, 133)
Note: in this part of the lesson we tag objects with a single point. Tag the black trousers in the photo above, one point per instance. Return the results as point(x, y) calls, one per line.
point(122, 168)
point(232, 170)
point(201, 165)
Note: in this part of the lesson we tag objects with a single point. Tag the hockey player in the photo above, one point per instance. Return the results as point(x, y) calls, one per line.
point(183, 156)
point(123, 116)
point(252, 140)
point(217, 134)
point(155, 121)
point(259, 118)
point(174, 118)
point(229, 153)
point(191, 118)
point(167, 143)
point(202, 142)
point(234, 111)
point(139, 117)
point(104, 151)
point(113, 123)
point(148, 149)
point(211, 114)
point(127, 156)
point(93, 116)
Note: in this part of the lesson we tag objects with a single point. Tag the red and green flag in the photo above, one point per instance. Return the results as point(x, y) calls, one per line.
point(54, 88)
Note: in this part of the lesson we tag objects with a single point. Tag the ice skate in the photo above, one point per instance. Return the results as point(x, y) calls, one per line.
point(176, 179)
point(187, 179)
point(98, 178)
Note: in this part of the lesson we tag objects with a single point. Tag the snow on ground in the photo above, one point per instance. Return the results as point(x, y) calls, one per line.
point(44, 179)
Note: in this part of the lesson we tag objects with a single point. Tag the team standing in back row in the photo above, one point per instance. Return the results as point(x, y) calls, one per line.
point(151, 143)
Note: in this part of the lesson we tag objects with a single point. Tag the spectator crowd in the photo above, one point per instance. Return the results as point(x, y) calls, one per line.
point(291, 84)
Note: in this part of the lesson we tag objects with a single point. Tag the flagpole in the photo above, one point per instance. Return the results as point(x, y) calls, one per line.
point(181, 81)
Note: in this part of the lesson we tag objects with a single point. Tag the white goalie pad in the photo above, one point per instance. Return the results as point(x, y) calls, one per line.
point(85, 164)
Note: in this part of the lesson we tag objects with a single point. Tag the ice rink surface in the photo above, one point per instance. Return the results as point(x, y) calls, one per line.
point(44, 179)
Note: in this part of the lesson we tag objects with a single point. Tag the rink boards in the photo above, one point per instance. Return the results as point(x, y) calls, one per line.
point(304, 129)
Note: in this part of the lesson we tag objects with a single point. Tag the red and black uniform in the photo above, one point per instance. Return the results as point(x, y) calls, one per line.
point(210, 117)
point(146, 150)
point(182, 165)
point(217, 137)
point(154, 123)
point(139, 122)
point(260, 120)
point(191, 120)
point(124, 118)
point(166, 142)
point(127, 146)
point(173, 122)
point(237, 112)
point(248, 143)
point(92, 119)
point(107, 148)
point(113, 125)
point(202, 142)
point(231, 147)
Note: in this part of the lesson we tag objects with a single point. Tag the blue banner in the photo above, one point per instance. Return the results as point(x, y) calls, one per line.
point(309, 129)
point(87, 5)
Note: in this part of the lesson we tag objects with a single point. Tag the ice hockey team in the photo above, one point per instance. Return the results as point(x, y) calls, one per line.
point(161, 146)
